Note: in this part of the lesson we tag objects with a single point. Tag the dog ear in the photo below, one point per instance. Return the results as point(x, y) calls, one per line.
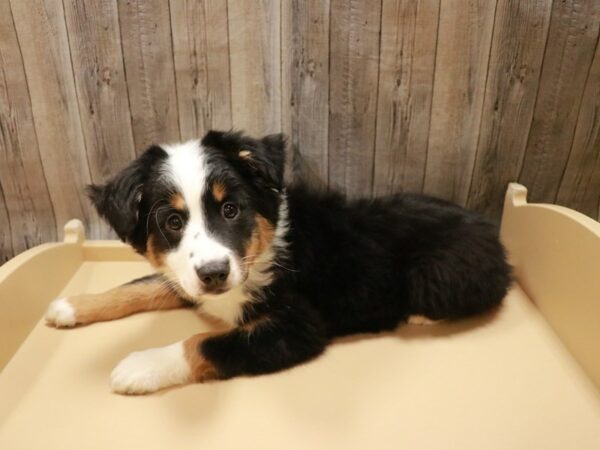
point(263, 159)
point(118, 200)
point(273, 158)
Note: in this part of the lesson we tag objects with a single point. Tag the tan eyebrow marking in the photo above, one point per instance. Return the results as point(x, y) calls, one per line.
point(177, 202)
point(219, 191)
point(245, 154)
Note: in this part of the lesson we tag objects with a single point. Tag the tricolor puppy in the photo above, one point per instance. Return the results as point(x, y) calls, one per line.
point(288, 269)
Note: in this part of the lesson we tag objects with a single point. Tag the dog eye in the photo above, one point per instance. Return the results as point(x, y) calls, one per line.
point(229, 211)
point(174, 222)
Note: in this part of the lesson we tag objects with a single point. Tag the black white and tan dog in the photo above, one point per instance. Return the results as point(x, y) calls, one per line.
point(288, 269)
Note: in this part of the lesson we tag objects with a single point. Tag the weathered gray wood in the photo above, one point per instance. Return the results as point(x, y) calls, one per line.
point(148, 52)
point(463, 49)
point(354, 62)
point(572, 38)
point(25, 198)
point(374, 97)
point(6, 249)
point(42, 35)
point(407, 61)
point(255, 62)
point(580, 184)
point(201, 53)
point(305, 86)
point(97, 59)
point(520, 33)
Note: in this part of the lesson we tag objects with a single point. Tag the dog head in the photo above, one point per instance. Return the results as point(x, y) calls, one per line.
point(205, 213)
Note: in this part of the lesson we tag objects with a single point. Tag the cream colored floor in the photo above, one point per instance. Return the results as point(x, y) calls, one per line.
point(500, 382)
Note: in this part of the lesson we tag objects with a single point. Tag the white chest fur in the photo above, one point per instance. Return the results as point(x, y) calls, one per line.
point(228, 306)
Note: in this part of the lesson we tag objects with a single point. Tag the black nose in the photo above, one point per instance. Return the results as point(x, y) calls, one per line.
point(214, 273)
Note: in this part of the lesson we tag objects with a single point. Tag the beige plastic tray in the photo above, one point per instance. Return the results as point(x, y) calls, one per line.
point(522, 378)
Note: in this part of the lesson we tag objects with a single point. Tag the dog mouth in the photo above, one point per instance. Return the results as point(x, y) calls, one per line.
point(216, 291)
point(201, 291)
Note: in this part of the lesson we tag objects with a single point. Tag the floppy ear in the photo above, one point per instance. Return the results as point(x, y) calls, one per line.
point(273, 159)
point(118, 200)
point(262, 159)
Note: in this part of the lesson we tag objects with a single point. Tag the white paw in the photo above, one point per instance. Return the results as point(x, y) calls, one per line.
point(61, 313)
point(151, 370)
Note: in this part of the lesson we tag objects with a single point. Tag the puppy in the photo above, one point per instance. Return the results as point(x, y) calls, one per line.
point(287, 269)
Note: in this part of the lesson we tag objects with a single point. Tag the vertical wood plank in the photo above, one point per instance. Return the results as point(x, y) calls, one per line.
point(6, 249)
point(42, 35)
point(95, 45)
point(408, 45)
point(463, 49)
point(255, 61)
point(520, 34)
point(354, 62)
point(25, 198)
point(201, 53)
point(305, 86)
point(580, 185)
point(574, 28)
point(148, 52)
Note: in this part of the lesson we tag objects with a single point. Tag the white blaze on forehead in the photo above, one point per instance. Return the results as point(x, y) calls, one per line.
point(187, 170)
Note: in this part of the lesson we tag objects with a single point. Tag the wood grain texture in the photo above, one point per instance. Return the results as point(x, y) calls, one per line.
point(255, 62)
point(572, 38)
point(305, 86)
point(42, 35)
point(201, 53)
point(464, 39)
point(580, 184)
point(354, 66)
point(450, 97)
point(95, 45)
point(25, 198)
point(148, 52)
point(408, 42)
point(6, 248)
point(520, 33)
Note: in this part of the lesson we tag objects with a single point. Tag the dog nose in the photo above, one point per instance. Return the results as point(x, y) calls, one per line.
point(214, 273)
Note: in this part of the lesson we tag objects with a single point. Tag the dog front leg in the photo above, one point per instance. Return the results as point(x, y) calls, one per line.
point(266, 345)
point(144, 294)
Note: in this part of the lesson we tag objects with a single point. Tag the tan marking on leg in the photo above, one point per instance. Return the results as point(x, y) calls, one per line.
point(202, 369)
point(421, 320)
point(262, 235)
point(251, 325)
point(153, 255)
point(123, 301)
point(218, 191)
point(177, 202)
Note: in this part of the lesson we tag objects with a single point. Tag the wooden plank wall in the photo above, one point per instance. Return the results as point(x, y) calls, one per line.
point(450, 97)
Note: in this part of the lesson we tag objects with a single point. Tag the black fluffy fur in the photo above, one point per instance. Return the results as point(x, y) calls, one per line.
point(118, 201)
point(349, 266)
point(365, 266)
